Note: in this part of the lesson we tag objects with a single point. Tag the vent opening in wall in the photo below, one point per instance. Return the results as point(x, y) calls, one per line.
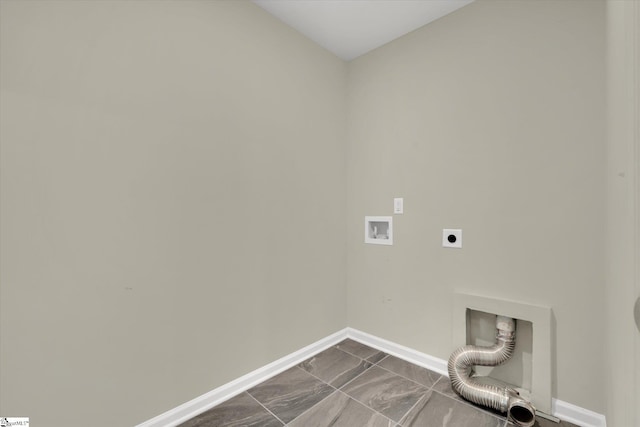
point(378, 230)
point(481, 331)
point(530, 368)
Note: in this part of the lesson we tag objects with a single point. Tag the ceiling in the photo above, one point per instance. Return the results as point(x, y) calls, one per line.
point(350, 28)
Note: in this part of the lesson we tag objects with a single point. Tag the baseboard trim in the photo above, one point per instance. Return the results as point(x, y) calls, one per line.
point(400, 351)
point(560, 409)
point(577, 415)
point(208, 400)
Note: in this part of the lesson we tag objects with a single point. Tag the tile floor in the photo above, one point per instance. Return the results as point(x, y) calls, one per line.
point(352, 385)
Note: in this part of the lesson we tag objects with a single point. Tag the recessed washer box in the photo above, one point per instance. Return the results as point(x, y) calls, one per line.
point(378, 230)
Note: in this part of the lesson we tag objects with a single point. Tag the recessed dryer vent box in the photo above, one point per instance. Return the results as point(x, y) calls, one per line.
point(529, 371)
point(378, 230)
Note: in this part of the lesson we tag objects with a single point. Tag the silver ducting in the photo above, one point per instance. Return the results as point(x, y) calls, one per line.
point(503, 399)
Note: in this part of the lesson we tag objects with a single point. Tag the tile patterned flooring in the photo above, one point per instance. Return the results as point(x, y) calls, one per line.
point(352, 385)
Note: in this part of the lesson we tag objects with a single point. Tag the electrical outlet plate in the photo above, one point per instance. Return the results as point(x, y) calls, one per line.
point(452, 238)
point(398, 205)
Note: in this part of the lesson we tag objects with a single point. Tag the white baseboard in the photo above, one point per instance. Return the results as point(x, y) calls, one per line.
point(560, 409)
point(208, 400)
point(577, 415)
point(400, 351)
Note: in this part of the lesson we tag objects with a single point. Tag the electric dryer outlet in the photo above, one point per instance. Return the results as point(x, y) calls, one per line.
point(452, 238)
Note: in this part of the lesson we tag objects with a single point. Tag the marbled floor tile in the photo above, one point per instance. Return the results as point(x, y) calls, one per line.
point(335, 366)
point(385, 392)
point(339, 410)
point(408, 370)
point(443, 385)
point(241, 410)
point(377, 357)
point(290, 393)
point(437, 410)
point(541, 422)
point(362, 351)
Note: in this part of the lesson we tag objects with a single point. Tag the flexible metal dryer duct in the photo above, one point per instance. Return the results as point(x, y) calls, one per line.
point(503, 399)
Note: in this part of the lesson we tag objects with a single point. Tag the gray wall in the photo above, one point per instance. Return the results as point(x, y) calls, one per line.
point(622, 341)
point(490, 119)
point(173, 203)
point(173, 193)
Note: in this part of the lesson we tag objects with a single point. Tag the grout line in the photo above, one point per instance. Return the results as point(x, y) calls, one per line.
point(267, 409)
point(352, 355)
point(372, 364)
point(360, 357)
point(349, 382)
point(384, 358)
point(306, 372)
point(428, 389)
point(377, 364)
point(356, 377)
point(322, 400)
point(471, 405)
point(409, 379)
point(309, 409)
point(443, 378)
point(318, 378)
point(367, 406)
point(414, 405)
point(335, 389)
point(345, 352)
point(209, 401)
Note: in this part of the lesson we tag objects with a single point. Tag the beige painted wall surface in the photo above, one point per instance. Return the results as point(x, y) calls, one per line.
point(490, 119)
point(622, 349)
point(173, 204)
